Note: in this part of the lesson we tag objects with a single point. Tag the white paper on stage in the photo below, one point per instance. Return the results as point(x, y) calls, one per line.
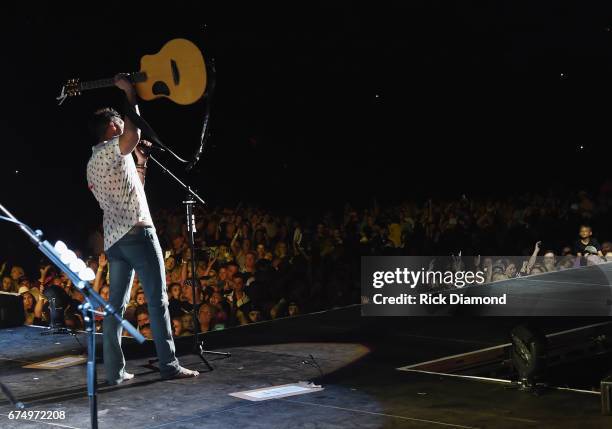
point(275, 392)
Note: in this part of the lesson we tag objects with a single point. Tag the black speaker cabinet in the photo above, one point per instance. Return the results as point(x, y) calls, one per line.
point(11, 310)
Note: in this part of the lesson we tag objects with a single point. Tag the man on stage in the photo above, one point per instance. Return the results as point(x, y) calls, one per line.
point(130, 241)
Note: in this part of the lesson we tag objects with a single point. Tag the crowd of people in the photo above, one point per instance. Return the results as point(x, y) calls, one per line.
point(254, 264)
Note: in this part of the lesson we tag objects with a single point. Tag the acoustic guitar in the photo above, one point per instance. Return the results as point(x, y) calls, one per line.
point(177, 72)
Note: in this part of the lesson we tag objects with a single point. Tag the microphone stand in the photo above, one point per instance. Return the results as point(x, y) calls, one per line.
point(92, 301)
point(53, 328)
point(17, 404)
point(192, 198)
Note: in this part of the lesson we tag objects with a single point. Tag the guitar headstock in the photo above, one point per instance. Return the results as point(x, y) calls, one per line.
point(70, 89)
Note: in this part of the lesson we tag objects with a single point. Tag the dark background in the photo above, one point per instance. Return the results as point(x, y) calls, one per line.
point(316, 103)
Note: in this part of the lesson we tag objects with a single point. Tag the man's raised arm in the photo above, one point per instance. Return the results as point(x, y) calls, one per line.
point(131, 133)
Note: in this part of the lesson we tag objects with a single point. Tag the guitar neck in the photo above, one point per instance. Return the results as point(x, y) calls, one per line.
point(105, 83)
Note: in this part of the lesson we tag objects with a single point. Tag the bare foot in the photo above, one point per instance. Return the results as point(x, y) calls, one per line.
point(182, 373)
point(126, 376)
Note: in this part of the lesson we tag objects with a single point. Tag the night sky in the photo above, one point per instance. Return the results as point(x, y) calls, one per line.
point(318, 103)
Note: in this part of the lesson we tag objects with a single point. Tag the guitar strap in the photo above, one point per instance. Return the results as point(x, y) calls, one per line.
point(212, 79)
point(145, 128)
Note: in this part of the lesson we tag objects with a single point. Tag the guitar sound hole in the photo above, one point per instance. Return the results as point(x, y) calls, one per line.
point(160, 88)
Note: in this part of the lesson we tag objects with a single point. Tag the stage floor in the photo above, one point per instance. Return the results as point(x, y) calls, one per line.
point(358, 357)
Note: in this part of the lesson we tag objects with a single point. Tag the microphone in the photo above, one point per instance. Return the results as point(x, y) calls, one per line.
point(155, 148)
point(146, 149)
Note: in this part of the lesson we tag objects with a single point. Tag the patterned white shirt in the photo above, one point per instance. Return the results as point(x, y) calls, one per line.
point(114, 181)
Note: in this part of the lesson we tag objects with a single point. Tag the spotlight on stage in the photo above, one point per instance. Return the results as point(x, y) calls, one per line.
point(528, 354)
point(57, 296)
point(77, 265)
point(58, 301)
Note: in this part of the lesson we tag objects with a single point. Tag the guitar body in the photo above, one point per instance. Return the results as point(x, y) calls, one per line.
point(176, 72)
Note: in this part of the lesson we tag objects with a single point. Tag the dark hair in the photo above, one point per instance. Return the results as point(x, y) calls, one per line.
point(99, 121)
point(584, 225)
point(33, 301)
point(141, 309)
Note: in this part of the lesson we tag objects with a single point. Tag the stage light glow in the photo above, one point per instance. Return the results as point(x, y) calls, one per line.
point(68, 257)
point(77, 265)
point(87, 275)
point(60, 247)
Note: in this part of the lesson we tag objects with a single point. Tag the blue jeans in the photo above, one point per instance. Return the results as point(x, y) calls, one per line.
point(138, 250)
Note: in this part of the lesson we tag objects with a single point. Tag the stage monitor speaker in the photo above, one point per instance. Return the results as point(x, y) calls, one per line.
point(606, 396)
point(11, 310)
